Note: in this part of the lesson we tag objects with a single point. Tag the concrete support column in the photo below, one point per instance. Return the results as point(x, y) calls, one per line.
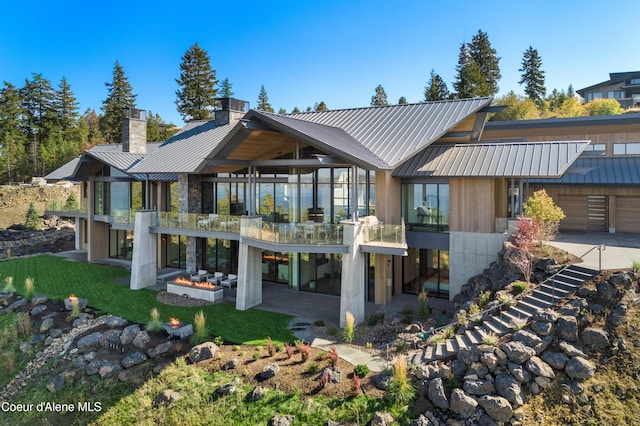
point(143, 266)
point(79, 236)
point(249, 274)
point(352, 294)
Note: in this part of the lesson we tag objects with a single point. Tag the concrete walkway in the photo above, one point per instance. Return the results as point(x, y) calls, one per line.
point(620, 250)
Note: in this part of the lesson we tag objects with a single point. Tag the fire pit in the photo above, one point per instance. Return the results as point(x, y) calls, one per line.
point(176, 329)
point(197, 290)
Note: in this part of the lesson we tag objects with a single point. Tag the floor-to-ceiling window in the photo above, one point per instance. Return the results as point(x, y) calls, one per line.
point(425, 206)
point(177, 251)
point(321, 272)
point(221, 255)
point(426, 269)
point(120, 244)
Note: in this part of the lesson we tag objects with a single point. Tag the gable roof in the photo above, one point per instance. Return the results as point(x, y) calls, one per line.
point(396, 133)
point(494, 159)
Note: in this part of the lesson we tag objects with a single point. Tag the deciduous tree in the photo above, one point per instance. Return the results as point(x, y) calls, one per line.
point(195, 99)
point(541, 208)
point(603, 107)
point(518, 108)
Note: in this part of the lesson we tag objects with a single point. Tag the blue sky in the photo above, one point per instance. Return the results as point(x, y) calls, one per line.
point(304, 52)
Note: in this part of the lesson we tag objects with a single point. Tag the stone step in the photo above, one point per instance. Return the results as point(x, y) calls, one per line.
point(535, 303)
point(524, 308)
point(461, 342)
point(549, 297)
point(511, 313)
point(496, 325)
point(428, 353)
point(440, 351)
point(473, 336)
point(452, 346)
point(581, 272)
point(567, 280)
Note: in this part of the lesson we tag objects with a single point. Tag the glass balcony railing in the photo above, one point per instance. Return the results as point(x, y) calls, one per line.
point(123, 216)
point(65, 206)
point(385, 234)
point(202, 222)
point(293, 233)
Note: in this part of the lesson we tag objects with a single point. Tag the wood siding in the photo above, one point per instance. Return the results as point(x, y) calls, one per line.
point(575, 209)
point(627, 214)
point(472, 205)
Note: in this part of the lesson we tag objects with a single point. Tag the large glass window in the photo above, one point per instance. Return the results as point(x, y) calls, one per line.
point(120, 244)
point(425, 206)
point(632, 148)
point(428, 270)
point(321, 273)
point(221, 256)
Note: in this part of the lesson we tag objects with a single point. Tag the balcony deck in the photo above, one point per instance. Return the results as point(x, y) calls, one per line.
point(65, 208)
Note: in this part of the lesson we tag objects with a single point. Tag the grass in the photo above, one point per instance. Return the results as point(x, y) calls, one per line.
point(58, 278)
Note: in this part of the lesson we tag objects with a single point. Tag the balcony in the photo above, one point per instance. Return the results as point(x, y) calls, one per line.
point(385, 238)
point(203, 223)
point(293, 233)
point(66, 208)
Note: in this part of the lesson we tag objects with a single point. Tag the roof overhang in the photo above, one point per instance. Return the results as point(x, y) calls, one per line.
point(497, 159)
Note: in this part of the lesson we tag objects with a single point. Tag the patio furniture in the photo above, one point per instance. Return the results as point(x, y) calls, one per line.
point(230, 281)
point(216, 278)
point(200, 276)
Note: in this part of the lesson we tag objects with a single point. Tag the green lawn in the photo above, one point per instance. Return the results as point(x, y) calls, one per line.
point(58, 278)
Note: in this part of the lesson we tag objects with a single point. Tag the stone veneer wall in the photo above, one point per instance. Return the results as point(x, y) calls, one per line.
point(189, 201)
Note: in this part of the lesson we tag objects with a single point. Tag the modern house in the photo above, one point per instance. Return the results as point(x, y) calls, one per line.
point(361, 203)
point(621, 86)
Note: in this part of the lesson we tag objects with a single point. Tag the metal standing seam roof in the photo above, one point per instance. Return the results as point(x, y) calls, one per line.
point(65, 171)
point(396, 133)
point(186, 151)
point(497, 159)
point(600, 171)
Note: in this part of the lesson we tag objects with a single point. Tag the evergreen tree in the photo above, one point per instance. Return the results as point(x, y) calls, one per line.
point(320, 106)
point(120, 97)
point(282, 111)
point(38, 106)
point(436, 90)
point(402, 101)
point(570, 92)
point(225, 89)
point(12, 139)
point(556, 99)
point(66, 106)
point(263, 101)
point(91, 122)
point(469, 82)
point(195, 100)
point(485, 56)
point(32, 220)
point(532, 76)
point(295, 110)
point(153, 127)
point(380, 97)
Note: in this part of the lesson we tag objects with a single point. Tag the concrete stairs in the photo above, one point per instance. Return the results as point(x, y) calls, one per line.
point(546, 295)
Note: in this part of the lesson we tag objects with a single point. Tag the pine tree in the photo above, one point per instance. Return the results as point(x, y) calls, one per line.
point(320, 106)
point(32, 220)
point(570, 92)
point(380, 97)
point(436, 90)
point(263, 101)
point(295, 110)
point(485, 56)
point(402, 101)
point(195, 100)
point(282, 111)
point(66, 106)
point(12, 138)
point(225, 89)
point(533, 76)
point(37, 102)
point(120, 97)
point(469, 82)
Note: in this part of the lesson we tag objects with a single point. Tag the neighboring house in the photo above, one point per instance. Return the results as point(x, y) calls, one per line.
point(601, 190)
point(364, 203)
point(621, 86)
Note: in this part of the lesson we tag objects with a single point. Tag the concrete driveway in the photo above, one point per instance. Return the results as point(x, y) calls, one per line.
point(620, 250)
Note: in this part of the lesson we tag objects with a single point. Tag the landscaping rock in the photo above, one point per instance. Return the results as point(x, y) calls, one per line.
point(497, 407)
point(517, 351)
point(622, 279)
point(141, 340)
point(133, 359)
point(89, 342)
point(528, 339)
point(269, 371)
point(436, 393)
point(508, 387)
point(15, 305)
point(556, 360)
point(283, 420)
point(490, 360)
point(382, 419)
point(257, 393)
point(39, 299)
point(232, 364)
point(203, 352)
point(166, 397)
point(109, 369)
point(46, 325)
point(83, 319)
point(571, 350)
point(539, 367)
point(462, 404)
point(580, 368)
point(619, 314)
point(478, 387)
point(55, 333)
point(93, 367)
point(541, 328)
point(114, 322)
point(68, 304)
point(129, 333)
point(381, 381)
point(607, 291)
point(595, 337)
point(55, 383)
point(334, 374)
point(567, 329)
point(162, 348)
point(38, 310)
point(229, 388)
point(548, 315)
point(469, 355)
point(518, 371)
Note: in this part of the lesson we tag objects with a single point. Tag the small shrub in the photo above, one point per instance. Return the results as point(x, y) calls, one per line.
point(75, 307)
point(312, 367)
point(24, 324)
point(199, 328)
point(452, 382)
point(400, 391)
point(375, 318)
point(356, 385)
point(401, 346)
point(368, 345)
point(255, 356)
point(474, 313)
point(155, 324)
point(505, 299)
point(8, 363)
point(332, 356)
point(218, 340)
point(8, 286)
point(289, 350)
point(490, 339)
point(348, 333)
point(241, 353)
point(29, 288)
point(423, 305)
point(449, 332)
point(407, 314)
point(635, 267)
point(436, 339)
point(271, 348)
point(361, 370)
point(518, 287)
point(518, 324)
point(484, 298)
point(525, 233)
point(318, 323)
point(462, 318)
point(304, 349)
point(332, 330)
point(71, 204)
point(235, 348)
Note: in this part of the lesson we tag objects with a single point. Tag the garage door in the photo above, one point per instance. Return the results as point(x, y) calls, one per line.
point(627, 214)
point(575, 210)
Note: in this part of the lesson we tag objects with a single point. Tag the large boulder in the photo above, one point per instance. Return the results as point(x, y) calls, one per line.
point(478, 387)
point(497, 407)
point(580, 368)
point(203, 352)
point(529, 339)
point(89, 342)
point(555, 359)
point(517, 352)
point(597, 337)
point(436, 393)
point(508, 387)
point(567, 328)
point(462, 404)
point(539, 367)
point(133, 359)
point(129, 333)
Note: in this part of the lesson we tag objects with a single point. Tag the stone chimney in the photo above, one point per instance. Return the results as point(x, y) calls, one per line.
point(134, 131)
point(230, 110)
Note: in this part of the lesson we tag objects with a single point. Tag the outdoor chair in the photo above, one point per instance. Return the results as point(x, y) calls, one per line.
point(216, 278)
point(230, 281)
point(202, 275)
